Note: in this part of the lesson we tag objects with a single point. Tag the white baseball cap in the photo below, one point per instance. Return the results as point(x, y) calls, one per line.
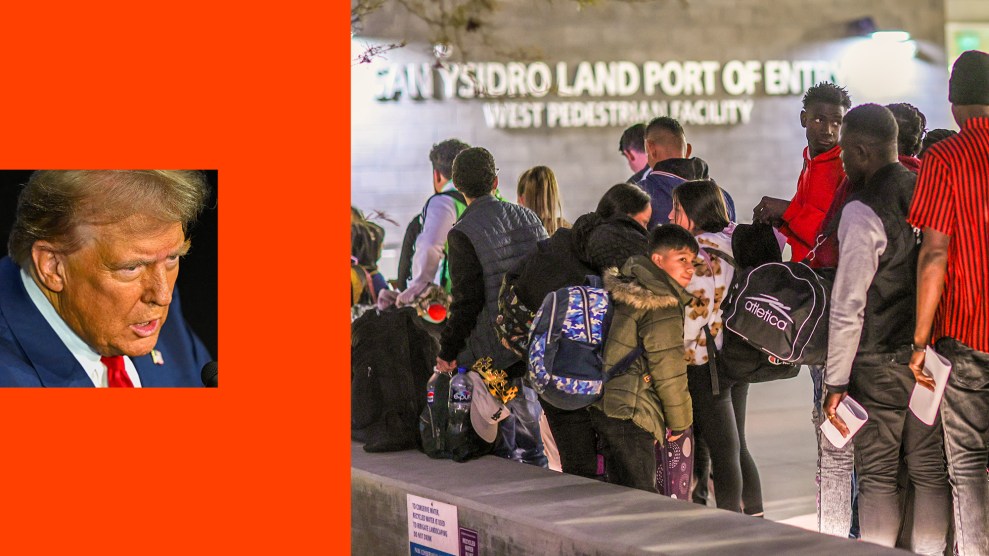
point(486, 411)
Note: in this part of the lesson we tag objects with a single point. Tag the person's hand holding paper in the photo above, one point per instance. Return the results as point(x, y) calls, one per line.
point(845, 417)
point(917, 360)
point(831, 404)
point(925, 400)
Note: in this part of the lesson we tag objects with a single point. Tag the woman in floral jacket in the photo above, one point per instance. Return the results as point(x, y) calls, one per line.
point(699, 206)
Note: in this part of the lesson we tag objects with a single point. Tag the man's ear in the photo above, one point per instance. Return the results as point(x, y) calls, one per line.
point(690, 149)
point(48, 265)
point(864, 152)
point(438, 180)
point(803, 118)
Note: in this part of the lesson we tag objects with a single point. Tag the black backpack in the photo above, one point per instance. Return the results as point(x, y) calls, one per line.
point(514, 319)
point(753, 245)
point(391, 358)
point(782, 309)
point(412, 232)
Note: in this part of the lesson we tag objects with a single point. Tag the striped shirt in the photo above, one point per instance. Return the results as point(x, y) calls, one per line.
point(952, 197)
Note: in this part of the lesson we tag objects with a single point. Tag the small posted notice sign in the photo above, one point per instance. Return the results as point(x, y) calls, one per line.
point(468, 542)
point(433, 529)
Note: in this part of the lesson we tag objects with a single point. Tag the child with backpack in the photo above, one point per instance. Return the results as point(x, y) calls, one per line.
point(565, 260)
point(650, 402)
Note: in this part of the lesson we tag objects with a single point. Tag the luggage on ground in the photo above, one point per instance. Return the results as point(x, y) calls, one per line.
point(392, 356)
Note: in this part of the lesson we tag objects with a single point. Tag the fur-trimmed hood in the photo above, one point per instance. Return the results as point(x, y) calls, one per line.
point(643, 285)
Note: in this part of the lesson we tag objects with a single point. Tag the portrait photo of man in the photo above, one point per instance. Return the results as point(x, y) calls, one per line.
point(88, 294)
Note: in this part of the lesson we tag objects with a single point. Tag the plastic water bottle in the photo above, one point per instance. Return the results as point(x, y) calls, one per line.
point(435, 432)
point(461, 391)
point(431, 386)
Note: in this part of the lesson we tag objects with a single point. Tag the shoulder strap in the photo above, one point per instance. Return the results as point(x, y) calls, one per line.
point(370, 286)
point(721, 255)
point(460, 205)
point(623, 364)
point(552, 313)
point(408, 249)
point(712, 360)
point(712, 348)
point(821, 238)
point(457, 196)
point(594, 281)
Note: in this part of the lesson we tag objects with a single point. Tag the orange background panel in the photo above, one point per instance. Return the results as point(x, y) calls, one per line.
point(260, 93)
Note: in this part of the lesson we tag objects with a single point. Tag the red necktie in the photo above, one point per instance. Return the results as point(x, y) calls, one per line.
point(116, 374)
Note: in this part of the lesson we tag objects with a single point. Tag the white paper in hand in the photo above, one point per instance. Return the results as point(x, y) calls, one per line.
point(924, 403)
point(854, 416)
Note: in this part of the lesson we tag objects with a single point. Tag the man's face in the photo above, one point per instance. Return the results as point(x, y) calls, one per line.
point(117, 287)
point(852, 158)
point(678, 263)
point(822, 122)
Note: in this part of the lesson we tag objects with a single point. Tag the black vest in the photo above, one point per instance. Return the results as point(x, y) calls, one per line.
point(502, 234)
point(890, 310)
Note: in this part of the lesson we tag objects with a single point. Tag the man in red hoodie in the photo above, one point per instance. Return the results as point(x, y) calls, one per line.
point(800, 218)
point(910, 123)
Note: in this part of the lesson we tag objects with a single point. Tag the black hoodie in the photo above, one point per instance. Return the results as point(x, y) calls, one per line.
point(557, 262)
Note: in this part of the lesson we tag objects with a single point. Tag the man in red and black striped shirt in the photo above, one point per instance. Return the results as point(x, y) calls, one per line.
point(951, 206)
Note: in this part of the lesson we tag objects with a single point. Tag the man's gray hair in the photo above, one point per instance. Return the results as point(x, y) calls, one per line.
point(55, 203)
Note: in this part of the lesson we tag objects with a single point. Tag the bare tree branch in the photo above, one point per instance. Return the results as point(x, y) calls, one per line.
point(375, 51)
point(453, 25)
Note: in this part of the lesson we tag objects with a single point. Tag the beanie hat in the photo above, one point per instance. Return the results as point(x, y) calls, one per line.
point(969, 83)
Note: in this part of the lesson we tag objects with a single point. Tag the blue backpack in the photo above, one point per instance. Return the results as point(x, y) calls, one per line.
point(566, 344)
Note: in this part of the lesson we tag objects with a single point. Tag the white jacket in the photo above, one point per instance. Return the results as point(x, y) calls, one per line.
point(710, 282)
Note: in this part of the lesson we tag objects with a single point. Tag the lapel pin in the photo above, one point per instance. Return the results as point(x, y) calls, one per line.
point(156, 357)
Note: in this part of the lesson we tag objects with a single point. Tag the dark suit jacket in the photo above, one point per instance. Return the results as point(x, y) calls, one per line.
point(31, 354)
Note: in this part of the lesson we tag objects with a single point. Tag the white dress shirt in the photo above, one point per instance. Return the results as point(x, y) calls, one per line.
point(441, 214)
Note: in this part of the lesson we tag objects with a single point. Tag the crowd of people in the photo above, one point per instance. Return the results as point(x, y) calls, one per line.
point(902, 215)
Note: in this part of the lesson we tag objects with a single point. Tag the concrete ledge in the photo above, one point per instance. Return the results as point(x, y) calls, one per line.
point(520, 509)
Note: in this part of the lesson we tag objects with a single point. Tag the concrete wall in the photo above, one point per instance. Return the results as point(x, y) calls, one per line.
point(391, 140)
point(967, 10)
point(520, 510)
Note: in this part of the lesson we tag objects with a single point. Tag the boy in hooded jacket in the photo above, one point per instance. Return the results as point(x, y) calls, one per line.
point(650, 403)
